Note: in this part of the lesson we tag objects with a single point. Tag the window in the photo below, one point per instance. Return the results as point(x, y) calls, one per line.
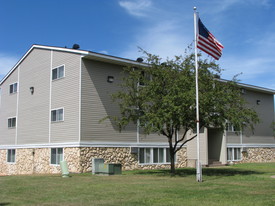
point(11, 155)
point(12, 122)
point(57, 115)
point(145, 77)
point(234, 154)
point(231, 128)
point(158, 155)
point(154, 155)
point(13, 88)
point(56, 155)
point(58, 72)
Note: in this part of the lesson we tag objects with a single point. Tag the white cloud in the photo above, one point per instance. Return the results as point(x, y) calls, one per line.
point(168, 33)
point(104, 52)
point(219, 6)
point(164, 39)
point(136, 8)
point(6, 63)
point(258, 71)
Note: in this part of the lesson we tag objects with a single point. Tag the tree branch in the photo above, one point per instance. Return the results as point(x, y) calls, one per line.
point(183, 136)
point(185, 143)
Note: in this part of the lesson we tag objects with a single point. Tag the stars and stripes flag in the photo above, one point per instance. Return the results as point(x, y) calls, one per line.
point(207, 42)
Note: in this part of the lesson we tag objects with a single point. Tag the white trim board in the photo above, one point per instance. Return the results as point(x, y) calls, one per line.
point(87, 144)
point(87, 54)
point(251, 145)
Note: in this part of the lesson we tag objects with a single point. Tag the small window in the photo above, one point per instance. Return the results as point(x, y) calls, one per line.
point(145, 77)
point(234, 154)
point(12, 122)
point(58, 72)
point(231, 128)
point(168, 159)
point(56, 156)
point(144, 155)
point(57, 115)
point(158, 155)
point(11, 155)
point(13, 88)
point(154, 155)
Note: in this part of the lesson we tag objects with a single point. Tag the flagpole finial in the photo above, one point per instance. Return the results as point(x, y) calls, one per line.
point(195, 8)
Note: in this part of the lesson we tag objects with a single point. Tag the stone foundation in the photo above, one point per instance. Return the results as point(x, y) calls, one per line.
point(252, 155)
point(79, 159)
point(37, 161)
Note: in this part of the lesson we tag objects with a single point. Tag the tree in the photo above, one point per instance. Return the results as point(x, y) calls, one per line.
point(161, 97)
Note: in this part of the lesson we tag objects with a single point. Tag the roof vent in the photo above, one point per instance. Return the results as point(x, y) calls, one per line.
point(76, 46)
point(139, 60)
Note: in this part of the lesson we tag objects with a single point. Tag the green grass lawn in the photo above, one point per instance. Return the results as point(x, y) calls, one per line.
point(244, 184)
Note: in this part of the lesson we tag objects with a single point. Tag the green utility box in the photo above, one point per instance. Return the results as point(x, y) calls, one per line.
point(99, 167)
point(96, 164)
point(110, 169)
point(114, 169)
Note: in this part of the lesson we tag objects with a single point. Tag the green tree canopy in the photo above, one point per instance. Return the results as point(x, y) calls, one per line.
point(161, 96)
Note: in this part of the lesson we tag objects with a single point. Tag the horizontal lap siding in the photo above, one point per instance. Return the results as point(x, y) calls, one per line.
point(263, 133)
point(265, 110)
point(8, 108)
point(153, 138)
point(65, 94)
point(192, 146)
point(33, 109)
point(233, 138)
point(97, 104)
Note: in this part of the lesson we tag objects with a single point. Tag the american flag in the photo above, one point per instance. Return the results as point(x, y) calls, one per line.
point(208, 43)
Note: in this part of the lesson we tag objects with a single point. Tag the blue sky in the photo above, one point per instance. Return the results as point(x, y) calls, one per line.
point(246, 28)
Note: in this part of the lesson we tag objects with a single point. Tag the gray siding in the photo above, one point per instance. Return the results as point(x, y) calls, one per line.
point(65, 94)
point(263, 133)
point(8, 108)
point(33, 119)
point(97, 104)
point(192, 146)
point(33, 110)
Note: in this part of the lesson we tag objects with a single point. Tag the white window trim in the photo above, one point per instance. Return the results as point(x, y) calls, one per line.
point(63, 157)
point(232, 128)
point(151, 156)
point(13, 88)
point(64, 73)
point(63, 114)
point(15, 122)
point(233, 153)
point(14, 156)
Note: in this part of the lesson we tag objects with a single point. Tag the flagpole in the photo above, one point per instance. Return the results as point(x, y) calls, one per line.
point(198, 165)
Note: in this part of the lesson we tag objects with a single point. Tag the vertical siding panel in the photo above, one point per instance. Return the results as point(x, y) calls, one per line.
point(8, 109)
point(97, 104)
point(33, 110)
point(65, 94)
point(263, 131)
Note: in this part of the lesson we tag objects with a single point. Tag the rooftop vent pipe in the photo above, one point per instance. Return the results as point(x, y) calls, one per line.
point(76, 46)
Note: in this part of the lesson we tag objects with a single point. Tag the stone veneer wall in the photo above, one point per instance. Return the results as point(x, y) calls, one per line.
point(37, 161)
point(124, 157)
point(258, 155)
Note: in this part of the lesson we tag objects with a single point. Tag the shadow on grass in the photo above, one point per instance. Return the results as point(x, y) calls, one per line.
point(4, 203)
point(192, 171)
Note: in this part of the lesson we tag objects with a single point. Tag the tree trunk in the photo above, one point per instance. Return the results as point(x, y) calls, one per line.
point(172, 157)
point(173, 170)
